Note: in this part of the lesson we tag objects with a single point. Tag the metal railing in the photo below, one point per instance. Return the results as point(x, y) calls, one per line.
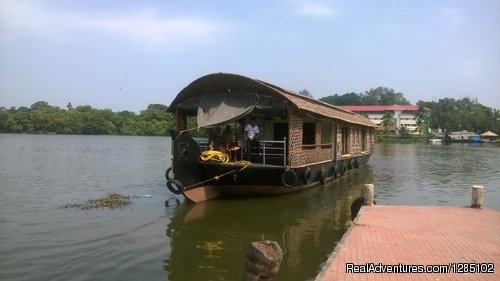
point(269, 150)
point(273, 148)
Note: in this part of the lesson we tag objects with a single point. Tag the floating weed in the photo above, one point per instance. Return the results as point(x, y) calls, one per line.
point(112, 201)
point(212, 246)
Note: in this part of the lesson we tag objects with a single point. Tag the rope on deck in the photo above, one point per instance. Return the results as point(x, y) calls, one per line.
point(214, 155)
point(216, 178)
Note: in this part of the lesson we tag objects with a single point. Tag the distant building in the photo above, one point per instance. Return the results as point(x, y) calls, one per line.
point(464, 136)
point(404, 114)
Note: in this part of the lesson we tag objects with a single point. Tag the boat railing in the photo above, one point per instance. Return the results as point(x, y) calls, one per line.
point(273, 149)
point(270, 151)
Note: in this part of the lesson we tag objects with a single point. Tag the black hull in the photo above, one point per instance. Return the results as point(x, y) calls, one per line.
point(201, 180)
point(261, 180)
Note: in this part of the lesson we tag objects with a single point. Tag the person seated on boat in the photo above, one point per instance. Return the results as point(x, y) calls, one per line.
point(215, 139)
point(252, 136)
point(229, 139)
point(230, 142)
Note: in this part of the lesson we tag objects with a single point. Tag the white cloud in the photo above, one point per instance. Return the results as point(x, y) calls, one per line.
point(144, 26)
point(313, 8)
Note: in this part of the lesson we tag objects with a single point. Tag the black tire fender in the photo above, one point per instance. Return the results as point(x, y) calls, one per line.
point(307, 176)
point(322, 176)
point(169, 174)
point(336, 170)
point(286, 175)
point(342, 168)
point(175, 186)
point(356, 164)
point(331, 172)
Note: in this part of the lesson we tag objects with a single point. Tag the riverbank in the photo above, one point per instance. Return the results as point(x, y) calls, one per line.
point(392, 138)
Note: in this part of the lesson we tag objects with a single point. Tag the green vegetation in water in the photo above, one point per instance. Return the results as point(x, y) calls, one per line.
point(393, 138)
point(112, 201)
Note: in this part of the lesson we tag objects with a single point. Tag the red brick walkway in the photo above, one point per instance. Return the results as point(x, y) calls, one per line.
point(418, 235)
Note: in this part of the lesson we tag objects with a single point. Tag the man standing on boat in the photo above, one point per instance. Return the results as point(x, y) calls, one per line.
point(252, 137)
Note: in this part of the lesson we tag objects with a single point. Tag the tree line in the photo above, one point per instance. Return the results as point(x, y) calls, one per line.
point(462, 114)
point(447, 114)
point(42, 118)
point(376, 96)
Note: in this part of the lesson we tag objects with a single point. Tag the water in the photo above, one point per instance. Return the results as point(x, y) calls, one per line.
point(161, 237)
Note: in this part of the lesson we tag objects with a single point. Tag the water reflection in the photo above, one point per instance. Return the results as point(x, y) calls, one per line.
point(209, 240)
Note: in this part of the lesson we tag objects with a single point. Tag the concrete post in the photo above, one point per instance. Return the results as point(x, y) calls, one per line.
point(262, 261)
point(477, 197)
point(368, 194)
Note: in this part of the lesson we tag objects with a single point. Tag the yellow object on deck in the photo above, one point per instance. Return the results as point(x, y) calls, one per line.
point(214, 155)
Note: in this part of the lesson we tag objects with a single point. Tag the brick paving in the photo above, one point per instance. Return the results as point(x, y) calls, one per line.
point(418, 235)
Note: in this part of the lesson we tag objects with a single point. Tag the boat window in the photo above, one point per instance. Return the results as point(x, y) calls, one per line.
point(326, 132)
point(309, 133)
point(345, 140)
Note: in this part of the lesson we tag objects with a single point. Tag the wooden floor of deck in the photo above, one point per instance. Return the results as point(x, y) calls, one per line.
point(418, 235)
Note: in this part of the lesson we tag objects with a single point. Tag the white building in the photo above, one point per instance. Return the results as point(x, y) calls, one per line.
point(404, 114)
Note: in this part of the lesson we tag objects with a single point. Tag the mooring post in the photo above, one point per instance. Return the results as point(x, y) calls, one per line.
point(368, 194)
point(477, 197)
point(262, 261)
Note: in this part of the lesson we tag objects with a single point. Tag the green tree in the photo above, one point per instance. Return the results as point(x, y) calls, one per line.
point(465, 114)
point(383, 96)
point(377, 96)
point(306, 93)
point(421, 117)
point(403, 131)
point(345, 99)
point(388, 121)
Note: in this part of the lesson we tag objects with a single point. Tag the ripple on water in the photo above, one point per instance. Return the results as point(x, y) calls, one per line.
point(149, 240)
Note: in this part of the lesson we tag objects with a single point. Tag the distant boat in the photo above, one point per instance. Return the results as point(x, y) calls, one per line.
point(436, 140)
point(305, 142)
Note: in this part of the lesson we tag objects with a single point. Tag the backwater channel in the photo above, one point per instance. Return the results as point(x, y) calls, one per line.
point(162, 237)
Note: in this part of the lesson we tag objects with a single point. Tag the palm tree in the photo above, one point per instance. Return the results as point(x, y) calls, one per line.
point(422, 119)
point(388, 120)
point(403, 131)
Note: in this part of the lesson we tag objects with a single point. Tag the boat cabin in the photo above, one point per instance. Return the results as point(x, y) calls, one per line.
point(294, 130)
point(301, 141)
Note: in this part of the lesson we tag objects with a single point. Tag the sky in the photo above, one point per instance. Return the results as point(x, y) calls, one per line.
point(125, 55)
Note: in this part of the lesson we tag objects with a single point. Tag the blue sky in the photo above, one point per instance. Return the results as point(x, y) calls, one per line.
point(124, 55)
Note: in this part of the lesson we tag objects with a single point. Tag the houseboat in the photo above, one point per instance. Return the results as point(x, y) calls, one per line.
point(302, 143)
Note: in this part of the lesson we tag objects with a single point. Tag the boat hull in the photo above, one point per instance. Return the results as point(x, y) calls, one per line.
point(248, 179)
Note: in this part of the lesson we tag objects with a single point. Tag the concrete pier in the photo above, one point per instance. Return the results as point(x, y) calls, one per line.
point(455, 242)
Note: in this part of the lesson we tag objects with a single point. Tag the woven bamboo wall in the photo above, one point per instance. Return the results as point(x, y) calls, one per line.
point(339, 141)
point(300, 156)
point(295, 138)
point(355, 144)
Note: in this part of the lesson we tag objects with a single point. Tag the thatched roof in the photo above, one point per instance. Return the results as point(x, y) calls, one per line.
point(489, 134)
point(238, 84)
